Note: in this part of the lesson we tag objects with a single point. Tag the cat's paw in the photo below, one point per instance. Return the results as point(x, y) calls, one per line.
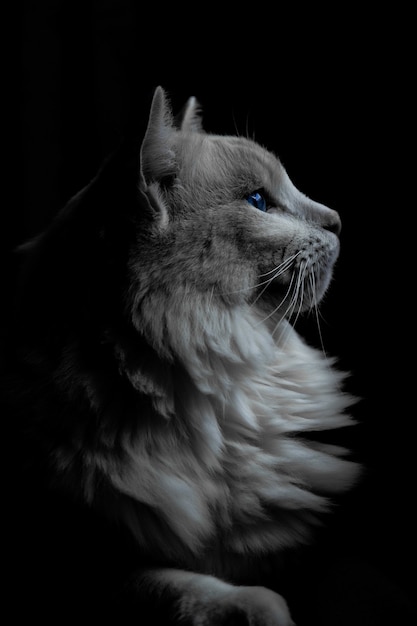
point(260, 606)
point(240, 606)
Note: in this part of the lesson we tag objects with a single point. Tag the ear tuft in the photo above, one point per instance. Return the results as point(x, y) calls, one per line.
point(191, 116)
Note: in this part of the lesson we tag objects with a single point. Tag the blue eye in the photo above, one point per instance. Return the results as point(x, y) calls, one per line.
point(257, 200)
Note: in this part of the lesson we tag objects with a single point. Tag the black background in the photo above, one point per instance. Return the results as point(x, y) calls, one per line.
point(330, 93)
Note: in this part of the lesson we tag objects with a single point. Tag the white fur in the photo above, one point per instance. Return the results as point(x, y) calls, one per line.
point(245, 399)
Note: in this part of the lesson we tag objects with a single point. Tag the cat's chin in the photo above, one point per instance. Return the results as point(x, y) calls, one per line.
point(291, 300)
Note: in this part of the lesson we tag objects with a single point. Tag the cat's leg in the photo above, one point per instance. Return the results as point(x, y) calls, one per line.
point(200, 600)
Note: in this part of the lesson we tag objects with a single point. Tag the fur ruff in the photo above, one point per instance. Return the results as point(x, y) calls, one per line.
point(220, 465)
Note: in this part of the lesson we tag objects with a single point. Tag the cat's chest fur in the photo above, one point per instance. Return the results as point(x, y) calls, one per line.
point(228, 467)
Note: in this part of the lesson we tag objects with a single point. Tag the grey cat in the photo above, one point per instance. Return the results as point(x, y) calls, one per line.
point(176, 393)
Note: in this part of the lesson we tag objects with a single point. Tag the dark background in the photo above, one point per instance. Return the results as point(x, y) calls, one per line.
point(331, 95)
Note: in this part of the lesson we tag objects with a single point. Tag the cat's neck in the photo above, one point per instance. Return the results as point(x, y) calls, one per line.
point(227, 351)
point(242, 393)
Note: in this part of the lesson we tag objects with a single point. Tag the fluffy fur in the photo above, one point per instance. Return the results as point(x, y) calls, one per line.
point(167, 386)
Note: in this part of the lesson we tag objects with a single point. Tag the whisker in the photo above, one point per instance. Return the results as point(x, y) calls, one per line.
point(288, 260)
point(279, 305)
point(301, 292)
point(247, 125)
point(238, 134)
point(297, 297)
point(302, 285)
point(316, 311)
point(285, 265)
point(278, 271)
point(293, 301)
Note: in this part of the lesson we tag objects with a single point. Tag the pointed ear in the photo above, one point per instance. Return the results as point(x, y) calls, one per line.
point(157, 158)
point(190, 117)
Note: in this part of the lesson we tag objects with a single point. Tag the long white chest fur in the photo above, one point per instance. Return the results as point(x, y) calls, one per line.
point(229, 467)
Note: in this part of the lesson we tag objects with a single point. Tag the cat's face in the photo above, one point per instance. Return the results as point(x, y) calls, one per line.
point(228, 220)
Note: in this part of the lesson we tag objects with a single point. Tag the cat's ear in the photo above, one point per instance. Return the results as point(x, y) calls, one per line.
point(157, 158)
point(190, 117)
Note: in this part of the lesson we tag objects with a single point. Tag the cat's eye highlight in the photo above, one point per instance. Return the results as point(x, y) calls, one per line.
point(257, 200)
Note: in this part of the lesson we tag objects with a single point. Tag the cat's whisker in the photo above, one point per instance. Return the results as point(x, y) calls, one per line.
point(316, 311)
point(292, 303)
point(237, 132)
point(277, 271)
point(267, 283)
point(286, 315)
point(280, 304)
point(250, 288)
point(247, 126)
point(300, 292)
point(296, 298)
point(285, 262)
point(283, 267)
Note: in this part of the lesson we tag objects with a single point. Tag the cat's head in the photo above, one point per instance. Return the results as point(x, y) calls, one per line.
point(193, 220)
point(226, 218)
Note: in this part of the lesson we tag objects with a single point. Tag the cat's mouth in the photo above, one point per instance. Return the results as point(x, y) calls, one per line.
point(300, 282)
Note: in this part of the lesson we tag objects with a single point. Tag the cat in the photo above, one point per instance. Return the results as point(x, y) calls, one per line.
point(158, 372)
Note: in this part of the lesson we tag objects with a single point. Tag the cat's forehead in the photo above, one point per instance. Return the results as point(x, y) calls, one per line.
point(231, 155)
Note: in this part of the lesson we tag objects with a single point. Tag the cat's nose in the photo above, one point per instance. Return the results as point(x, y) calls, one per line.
point(333, 222)
point(325, 217)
